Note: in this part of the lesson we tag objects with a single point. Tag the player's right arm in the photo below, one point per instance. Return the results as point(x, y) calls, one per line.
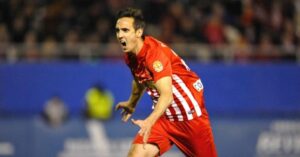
point(128, 106)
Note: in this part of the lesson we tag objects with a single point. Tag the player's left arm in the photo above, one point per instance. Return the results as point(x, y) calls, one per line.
point(164, 87)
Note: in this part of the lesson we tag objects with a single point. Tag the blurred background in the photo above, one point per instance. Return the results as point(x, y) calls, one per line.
point(62, 72)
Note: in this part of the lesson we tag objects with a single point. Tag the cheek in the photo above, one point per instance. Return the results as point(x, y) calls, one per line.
point(132, 39)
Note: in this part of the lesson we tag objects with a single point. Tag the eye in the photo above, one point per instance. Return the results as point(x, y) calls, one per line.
point(125, 30)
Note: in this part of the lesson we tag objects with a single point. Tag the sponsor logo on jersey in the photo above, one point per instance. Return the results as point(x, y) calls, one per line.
point(157, 66)
point(198, 85)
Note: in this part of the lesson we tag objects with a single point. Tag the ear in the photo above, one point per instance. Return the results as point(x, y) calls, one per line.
point(139, 32)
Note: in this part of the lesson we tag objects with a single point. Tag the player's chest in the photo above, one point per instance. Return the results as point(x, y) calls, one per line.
point(141, 72)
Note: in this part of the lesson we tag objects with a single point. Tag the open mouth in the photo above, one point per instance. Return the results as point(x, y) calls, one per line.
point(123, 43)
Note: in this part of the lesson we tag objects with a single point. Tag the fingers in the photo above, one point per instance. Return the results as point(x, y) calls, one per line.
point(125, 116)
point(126, 111)
point(140, 124)
point(145, 138)
point(123, 112)
point(143, 131)
point(118, 106)
point(133, 121)
point(136, 122)
point(124, 107)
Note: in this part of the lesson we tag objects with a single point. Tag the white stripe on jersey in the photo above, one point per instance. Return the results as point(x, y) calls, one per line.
point(189, 94)
point(155, 93)
point(168, 113)
point(177, 111)
point(183, 102)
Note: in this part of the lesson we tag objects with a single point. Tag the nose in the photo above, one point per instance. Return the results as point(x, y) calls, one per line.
point(120, 34)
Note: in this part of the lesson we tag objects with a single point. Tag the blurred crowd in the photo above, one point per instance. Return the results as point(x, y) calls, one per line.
point(238, 30)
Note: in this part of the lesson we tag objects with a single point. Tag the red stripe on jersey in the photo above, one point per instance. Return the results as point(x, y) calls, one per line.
point(181, 97)
point(173, 114)
point(183, 113)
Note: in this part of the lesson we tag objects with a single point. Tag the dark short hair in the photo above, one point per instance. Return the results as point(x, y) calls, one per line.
point(136, 14)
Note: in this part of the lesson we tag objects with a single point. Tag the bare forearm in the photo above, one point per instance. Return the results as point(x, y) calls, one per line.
point(163, 103)
point(164, 87)
point(136, 93)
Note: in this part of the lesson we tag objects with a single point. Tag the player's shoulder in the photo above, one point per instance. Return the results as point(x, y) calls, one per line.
point(156, 51)
point(153, 41)
point(154, 44)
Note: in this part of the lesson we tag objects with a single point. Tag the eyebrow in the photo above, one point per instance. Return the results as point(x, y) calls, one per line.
point(123, 29)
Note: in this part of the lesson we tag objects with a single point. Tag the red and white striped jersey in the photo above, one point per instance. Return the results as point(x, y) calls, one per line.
point(156, 60)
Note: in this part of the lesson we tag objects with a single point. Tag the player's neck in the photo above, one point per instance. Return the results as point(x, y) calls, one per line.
point(139, 46)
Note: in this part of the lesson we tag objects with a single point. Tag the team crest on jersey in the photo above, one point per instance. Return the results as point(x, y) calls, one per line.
point(157, 66)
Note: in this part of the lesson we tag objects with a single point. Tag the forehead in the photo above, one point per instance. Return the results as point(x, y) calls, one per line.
point(125, 22)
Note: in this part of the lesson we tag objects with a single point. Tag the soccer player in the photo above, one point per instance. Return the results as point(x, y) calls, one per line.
point(179, 116)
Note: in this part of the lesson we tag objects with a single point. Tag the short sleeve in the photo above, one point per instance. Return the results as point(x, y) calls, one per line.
point(159, 64)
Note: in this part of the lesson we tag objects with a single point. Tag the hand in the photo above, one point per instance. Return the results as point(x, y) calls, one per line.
point(127, 110)
point(145, 129)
